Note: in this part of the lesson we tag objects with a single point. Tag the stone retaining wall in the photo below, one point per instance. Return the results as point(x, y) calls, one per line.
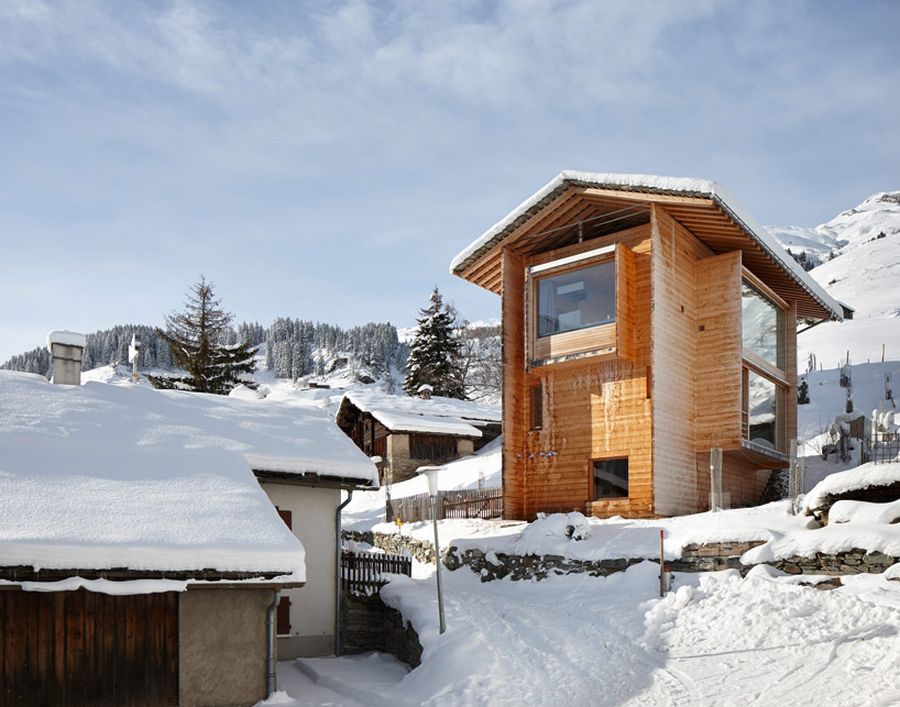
point(493, 566)
point(855, 561)
point(712, 557)
point(370, 625)
point(394, 543)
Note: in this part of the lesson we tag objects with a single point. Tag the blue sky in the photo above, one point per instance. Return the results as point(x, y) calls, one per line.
point(327, 160)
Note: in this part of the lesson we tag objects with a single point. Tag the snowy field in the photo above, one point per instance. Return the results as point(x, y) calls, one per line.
point(716, 639)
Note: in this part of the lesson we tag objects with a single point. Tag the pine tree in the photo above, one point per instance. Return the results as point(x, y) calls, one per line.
point(434, 356)
point(196, 337)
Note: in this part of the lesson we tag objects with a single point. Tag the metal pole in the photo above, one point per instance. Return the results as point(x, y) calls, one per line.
point(437, 562)
point(338, 548)
point(662, 566)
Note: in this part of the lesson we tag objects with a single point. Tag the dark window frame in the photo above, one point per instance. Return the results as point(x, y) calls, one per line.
point(594, 491)
point(536, 405)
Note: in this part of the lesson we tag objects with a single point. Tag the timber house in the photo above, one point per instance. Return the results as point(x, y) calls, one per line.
point(646, 321)
point(409, 432)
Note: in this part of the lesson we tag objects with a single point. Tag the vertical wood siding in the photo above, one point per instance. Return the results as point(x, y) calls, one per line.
point(80, 648)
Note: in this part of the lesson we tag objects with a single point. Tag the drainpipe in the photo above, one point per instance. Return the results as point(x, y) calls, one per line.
point(270, 644)
point(338, 544)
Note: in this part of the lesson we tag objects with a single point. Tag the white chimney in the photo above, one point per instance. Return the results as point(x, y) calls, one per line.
point(67, 349)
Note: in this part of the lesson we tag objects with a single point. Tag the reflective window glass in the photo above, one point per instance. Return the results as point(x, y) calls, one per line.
point(611, 478)
point(762, 406)
point(761, 325)
point(577, 299)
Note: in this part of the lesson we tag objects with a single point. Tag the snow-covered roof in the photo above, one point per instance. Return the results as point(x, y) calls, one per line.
point(435, 415)
point(651, 184)
point(402, 422)
point(106, 476)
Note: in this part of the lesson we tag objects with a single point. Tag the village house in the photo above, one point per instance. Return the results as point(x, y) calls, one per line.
point(141, 559)
point(408, 432)
point(646, 321)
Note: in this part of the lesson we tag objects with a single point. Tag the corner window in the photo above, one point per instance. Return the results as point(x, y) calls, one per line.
point(610, 478)
point(762, 326)
point(576, 299)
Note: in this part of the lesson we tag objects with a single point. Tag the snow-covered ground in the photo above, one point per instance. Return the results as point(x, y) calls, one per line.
point(577, 640)
point(481, 469)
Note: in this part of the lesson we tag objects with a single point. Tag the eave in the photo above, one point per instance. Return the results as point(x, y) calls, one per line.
point(582, 205)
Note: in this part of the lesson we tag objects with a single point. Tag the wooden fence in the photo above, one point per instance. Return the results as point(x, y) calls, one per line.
point(361, 571)
point(475, 503)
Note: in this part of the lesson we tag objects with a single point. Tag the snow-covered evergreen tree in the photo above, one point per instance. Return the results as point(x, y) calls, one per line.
point(434, 355)
point(197, 338)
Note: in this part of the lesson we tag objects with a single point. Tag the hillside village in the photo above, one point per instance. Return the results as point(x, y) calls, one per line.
point(373, 353)
point(813, 557)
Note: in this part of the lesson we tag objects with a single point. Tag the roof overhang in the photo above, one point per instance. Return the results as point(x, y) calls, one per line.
point(311, 479)
point(578, 206)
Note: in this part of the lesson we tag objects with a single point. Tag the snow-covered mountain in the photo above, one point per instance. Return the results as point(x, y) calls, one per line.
point(859, 251)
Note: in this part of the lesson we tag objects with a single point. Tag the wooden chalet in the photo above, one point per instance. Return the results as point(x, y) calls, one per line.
point(408, 432)
point(646, 321)
point(142, 560)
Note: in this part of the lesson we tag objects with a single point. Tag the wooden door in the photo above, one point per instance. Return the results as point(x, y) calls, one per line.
point(85, 648)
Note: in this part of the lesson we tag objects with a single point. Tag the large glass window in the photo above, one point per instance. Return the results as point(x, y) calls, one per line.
point(611, 478)
point(577, 299)
point(762, 409)
point(762, 326)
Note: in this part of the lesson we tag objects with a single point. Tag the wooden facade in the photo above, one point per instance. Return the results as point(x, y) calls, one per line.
point(82, 647)
point(655, 390)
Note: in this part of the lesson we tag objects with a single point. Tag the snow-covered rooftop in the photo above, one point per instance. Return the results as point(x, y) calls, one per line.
point(103, 476)
point(685, 186)
point(433, 415)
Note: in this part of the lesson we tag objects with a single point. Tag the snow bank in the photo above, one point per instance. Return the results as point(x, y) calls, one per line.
point(830, 540)
point(864, 513)
point(101, 476)
point(594, 539)
point(861, 477)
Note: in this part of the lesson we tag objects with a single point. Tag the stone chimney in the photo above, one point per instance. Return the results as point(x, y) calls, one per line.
point(424, 391)
point(67, 350)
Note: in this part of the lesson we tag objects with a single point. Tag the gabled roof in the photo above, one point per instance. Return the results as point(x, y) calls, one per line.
point(106, 476)
point(436, 415)
point(704, 207)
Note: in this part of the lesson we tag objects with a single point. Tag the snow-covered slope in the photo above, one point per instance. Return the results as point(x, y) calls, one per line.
point(863, 244)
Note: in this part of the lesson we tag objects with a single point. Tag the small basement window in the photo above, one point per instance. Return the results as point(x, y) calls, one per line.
point(610, 478)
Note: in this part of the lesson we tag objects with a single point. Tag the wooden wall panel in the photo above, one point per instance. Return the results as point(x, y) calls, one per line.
point(515, 392)
point(674, 325)
point(718, 402)
point(80, 648)
point(594, 407)
point(743, 481)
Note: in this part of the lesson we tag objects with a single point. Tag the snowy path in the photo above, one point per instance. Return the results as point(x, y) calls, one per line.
point(723, 641)
point(717, 640)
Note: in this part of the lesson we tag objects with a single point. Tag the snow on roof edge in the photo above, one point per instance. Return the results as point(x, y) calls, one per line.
point(653, 183)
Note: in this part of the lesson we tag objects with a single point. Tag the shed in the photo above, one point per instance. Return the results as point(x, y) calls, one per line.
point(139, 556)
point(408, 432)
